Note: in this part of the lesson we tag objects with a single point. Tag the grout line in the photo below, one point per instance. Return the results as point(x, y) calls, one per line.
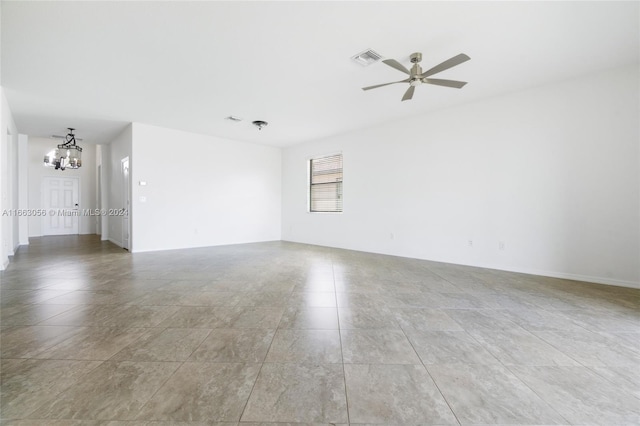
point(344, 373)
point(547, 403)
point(432, 379)
point(275, 331)
point(75, 382)
point(161, 385)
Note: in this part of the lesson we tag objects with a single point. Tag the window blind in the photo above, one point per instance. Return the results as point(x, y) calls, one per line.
point(326, 184)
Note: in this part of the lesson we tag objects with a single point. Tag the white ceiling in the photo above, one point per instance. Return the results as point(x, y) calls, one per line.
point(187, 65)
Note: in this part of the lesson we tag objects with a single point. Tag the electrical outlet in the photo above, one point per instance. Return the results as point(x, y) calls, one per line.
point(470, 243)
point(501, 245)
point(392, 236)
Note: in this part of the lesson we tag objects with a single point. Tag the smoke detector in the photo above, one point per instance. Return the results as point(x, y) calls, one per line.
point(260, 124)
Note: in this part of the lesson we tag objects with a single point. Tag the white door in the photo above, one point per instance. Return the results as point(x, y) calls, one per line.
point(125, 203)
point(99, 200)
point(60, 200)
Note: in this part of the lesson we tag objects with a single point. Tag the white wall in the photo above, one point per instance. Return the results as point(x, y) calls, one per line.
point(552, 172)
point(112, 190)
point(38, 147)
point(9, 238)
point(202, 190)
point(23, 188)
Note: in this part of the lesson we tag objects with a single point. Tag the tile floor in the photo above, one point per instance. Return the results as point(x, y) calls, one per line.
point(291, 333)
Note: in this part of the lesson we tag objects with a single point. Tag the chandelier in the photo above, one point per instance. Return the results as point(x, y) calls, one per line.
point(66, 155)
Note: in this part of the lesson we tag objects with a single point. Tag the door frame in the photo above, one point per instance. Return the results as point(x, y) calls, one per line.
point(42, 203)
point(126, 201)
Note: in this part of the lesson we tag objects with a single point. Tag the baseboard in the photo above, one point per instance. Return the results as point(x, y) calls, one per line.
point(5, 263)
point(530, 271)
point(567, 276)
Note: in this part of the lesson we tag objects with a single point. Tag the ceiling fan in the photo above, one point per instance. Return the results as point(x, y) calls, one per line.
point(417, 77)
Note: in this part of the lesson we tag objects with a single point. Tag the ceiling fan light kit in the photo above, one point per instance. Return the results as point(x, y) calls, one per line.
point(418, 77)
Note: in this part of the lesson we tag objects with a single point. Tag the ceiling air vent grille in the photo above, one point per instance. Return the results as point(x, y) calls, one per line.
point(367, 57)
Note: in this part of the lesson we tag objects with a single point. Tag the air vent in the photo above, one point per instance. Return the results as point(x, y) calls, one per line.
point(367, 57)
point(233, 118)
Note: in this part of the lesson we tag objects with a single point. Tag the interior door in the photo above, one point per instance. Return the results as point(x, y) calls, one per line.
point(125, 202)
point(60, 200)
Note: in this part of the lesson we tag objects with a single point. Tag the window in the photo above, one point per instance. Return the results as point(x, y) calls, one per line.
point(325, 184)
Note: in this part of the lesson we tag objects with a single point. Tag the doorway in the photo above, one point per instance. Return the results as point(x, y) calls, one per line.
point(60, 201)
point(125, 202)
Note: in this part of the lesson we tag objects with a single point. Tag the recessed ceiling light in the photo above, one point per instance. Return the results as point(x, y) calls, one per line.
point(260, 124)
point(367, 57)
point(233, 118)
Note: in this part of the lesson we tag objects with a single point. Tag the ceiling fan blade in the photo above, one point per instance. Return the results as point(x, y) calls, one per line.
point(397, 65)
point(385, 84)
point(409, 93)
point(449, 63)
point(447, 83)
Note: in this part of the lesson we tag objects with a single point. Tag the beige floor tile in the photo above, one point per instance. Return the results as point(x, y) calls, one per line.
point(593, 349)
point(306, 346)
point(520, 347)
point(265, 298)
point(366, 318)
point(627, 380)
point(395, 394)
point(112, 391)
point(86, 316)
point(140, 316)
point(310, 318)
point(580, 395)
point(377, 347)
point(93, 343)
point(541, 320)
point(298, 393)
point(425, 319)
point(448, 347)
point(28, 341)
point(203, 391)
point(51, 422)
point(315, 299)
point(491, 394)
point(30, 314)
point(170, 344)
point(27, 383)
point(234, 345)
